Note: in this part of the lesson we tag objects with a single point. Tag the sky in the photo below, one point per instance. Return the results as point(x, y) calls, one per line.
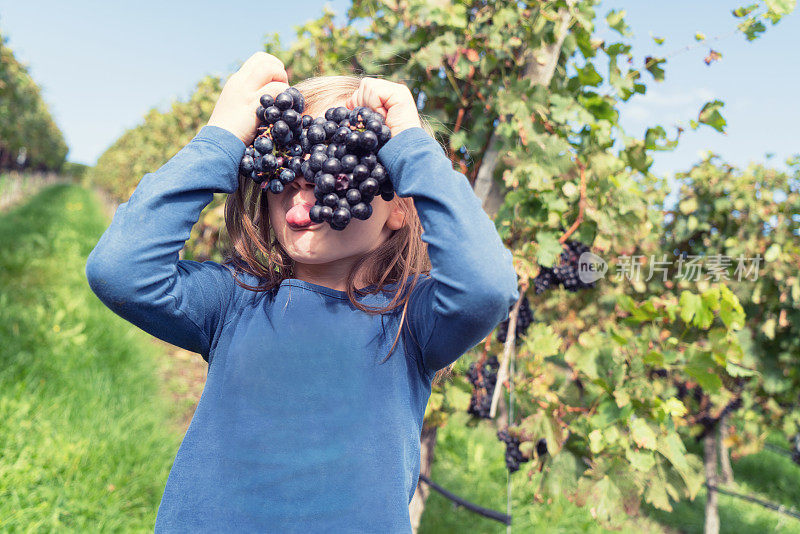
point(103, 65)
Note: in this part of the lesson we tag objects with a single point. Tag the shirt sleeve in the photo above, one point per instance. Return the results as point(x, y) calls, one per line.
point(472, 283)
point(134, 268)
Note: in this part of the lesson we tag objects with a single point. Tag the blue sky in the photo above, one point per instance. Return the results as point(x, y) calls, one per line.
point(103, 65)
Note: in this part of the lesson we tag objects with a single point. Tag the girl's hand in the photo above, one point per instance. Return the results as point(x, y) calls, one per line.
point(235, 109)
point(392, 100)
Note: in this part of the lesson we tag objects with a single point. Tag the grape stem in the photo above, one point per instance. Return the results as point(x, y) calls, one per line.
point(581, 204)
point(508, 349)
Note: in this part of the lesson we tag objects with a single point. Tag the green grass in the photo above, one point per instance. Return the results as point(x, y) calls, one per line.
point(85, 443)
point(767, 476)
point(469, 462)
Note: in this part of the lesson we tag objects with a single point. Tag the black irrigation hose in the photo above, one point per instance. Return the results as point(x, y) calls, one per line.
point(766, 504)
point(485, 512)
point(779, 450)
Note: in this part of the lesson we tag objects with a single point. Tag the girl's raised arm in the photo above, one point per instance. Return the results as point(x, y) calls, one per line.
point(134, 268)
point(473, 283)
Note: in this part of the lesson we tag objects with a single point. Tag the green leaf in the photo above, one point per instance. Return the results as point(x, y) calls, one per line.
point(549, 249)
point(542, 341)
point(744, 10)
point(642, 435)
point(711, 116)
point(640, 460)
point(707, 379)
point(690, 305)
point(604, 496)
point(653, 66)
point(616, 21)
point(673, 450)
point(731, 311)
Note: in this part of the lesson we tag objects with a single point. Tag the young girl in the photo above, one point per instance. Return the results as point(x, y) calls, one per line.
point(311, 414)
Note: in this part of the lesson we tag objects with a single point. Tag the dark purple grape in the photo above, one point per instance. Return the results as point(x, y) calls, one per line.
point(275, 186)
point(296, 150)
point(280, 129)
point(326, 183)
point(361, 211)
point(319, 120)
point(369, 141)
point(307, 120)
point(315, 214)
point(370, 160)
point(260, 113)
point(298, 101)
point(316, 160)
point(263, 144)
point(349, 162)
point(319, 147)
point(353, 196)
point(266, 100)
point(330, 128)
point(272, 114)
point(379, 173)
point(353, 141)
point(340, 135)
point(343, 203)
point(374, 126)
point(269, 163)
point(360, 172)
point(316, 134)
point(387, 196)
point(327, 213)
point(385, 134)
point(341, 151)
point(369, 186)
point(341, 216)
point(332, 165)
point(247, 165)
point(296, 164)
point(292, 118)
point(284, 101)
point(286, 176)
point(339, 114)
point(331, 199)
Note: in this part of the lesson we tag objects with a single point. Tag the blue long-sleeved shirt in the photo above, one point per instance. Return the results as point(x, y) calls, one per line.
point(300, 428)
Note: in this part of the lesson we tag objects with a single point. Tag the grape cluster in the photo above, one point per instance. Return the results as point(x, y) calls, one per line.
point(483, 378)
point(514, 456)
point(565, 273)
point(524, 320)
point(342, 160)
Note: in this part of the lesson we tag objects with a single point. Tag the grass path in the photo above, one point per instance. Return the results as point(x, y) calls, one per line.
point(87, 435)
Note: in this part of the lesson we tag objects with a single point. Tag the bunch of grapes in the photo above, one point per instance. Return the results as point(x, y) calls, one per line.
point(342, 160)
point(514, 456)
point(483, 378)
point(524, 320)
point(565, 273)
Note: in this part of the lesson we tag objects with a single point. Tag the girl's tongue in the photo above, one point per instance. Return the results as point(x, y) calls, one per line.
point(298, 215)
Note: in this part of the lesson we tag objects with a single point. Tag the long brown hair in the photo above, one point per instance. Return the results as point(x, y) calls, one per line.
point(398, 262)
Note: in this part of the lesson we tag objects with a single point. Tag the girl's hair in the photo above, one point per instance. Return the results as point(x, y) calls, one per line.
point(255, 249)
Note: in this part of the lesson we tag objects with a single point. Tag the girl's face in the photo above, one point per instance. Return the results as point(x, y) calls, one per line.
point(319, 243)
